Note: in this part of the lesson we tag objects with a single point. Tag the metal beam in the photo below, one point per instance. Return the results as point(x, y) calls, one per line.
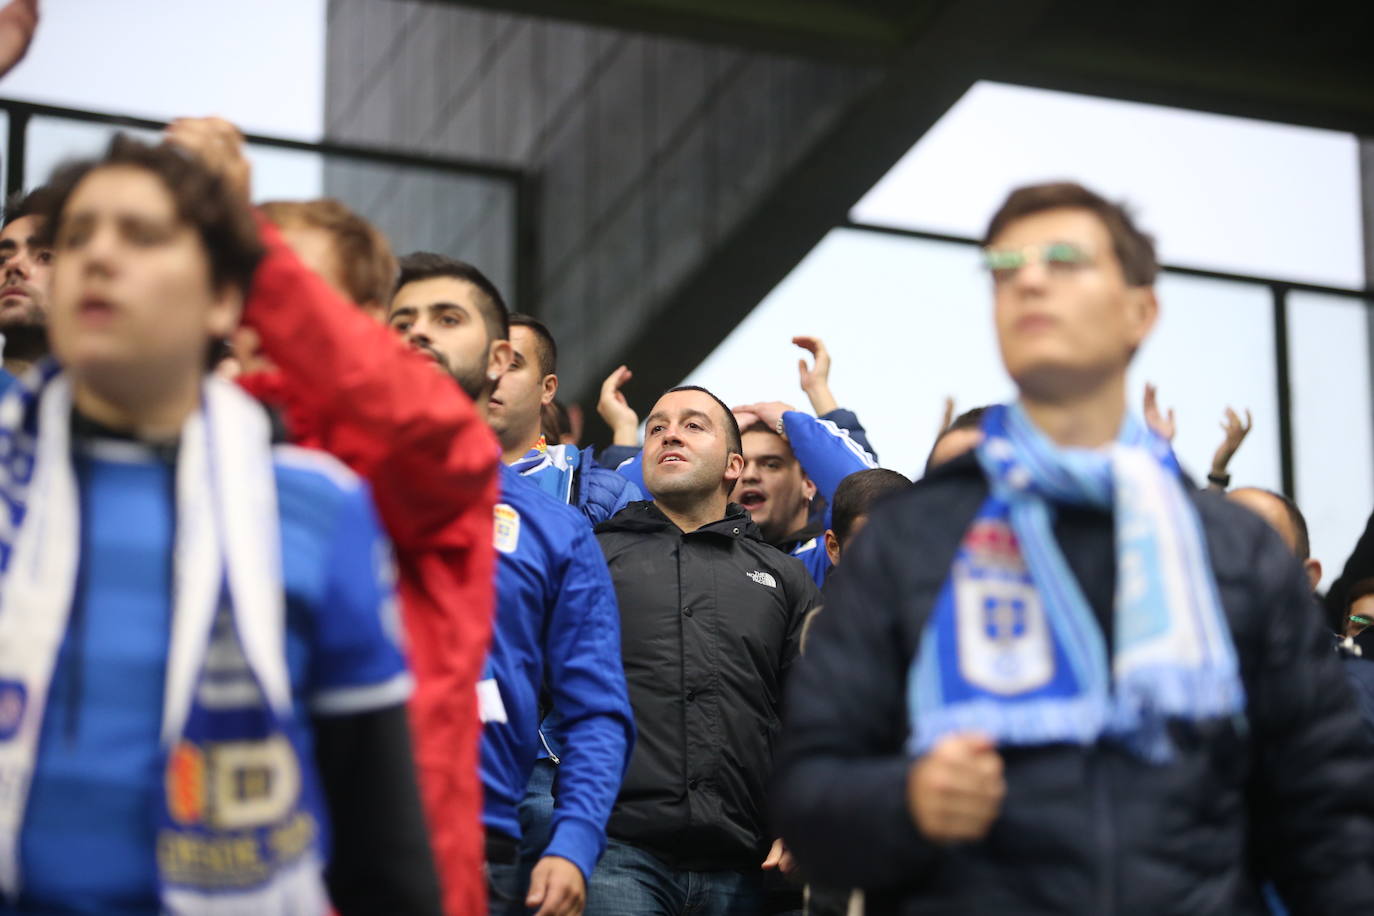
point(824, 29)
point(954, 49)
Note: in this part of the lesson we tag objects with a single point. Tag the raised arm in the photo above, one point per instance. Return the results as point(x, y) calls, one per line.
point(378, 406)
point(827, 453)
point(815, 381)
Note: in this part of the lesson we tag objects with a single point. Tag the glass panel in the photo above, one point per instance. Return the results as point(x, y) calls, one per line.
point(1333, 421)
point(1212, 348)
point(471, 217)
point(466, 216)
point(909, 322)
point(259, 63)
point(53, 141)
point(1193, 177)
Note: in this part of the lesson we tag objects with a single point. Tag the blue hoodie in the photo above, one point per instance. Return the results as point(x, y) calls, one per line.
point(557, 624)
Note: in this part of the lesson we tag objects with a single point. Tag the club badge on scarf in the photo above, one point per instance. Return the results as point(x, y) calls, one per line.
point(239, 819)
point(1012, 648)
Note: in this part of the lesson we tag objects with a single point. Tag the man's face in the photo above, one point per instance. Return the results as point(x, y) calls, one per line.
point(442, 318)
point(685, 446)
point(131, 284)
point(522, 391)
point(773, 488)
point(1065, 327)
point(25, 272)
point(1362, 608)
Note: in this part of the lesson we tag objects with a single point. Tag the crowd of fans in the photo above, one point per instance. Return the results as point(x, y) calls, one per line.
point(312, 601)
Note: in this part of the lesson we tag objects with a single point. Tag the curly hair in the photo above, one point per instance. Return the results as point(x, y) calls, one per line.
point(203, 200)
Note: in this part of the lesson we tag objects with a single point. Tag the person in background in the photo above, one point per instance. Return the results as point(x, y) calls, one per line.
point(960, 436)
point(1284, 516)
point(25, 272)
point(814, 379)
point(516, 414)
point(557, 625)
point(711, 619)
point(855, 498)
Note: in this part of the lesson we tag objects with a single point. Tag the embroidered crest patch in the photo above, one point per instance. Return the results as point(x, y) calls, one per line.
point(1004, 640)
point(13, 700)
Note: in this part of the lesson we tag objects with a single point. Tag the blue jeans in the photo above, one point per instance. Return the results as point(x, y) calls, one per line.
point(632, 882)
point(505, 890)
point(536, 816)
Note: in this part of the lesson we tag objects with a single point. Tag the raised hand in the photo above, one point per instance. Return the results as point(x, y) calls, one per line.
point(1162, 425)
point(955, 790)
point(18, 22)
point(815, 378)
point(1235, 433)
point(219, 145)
point(616, 411)
point(769, 413)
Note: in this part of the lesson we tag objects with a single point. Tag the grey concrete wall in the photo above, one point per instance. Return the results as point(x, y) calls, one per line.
point(643, 151)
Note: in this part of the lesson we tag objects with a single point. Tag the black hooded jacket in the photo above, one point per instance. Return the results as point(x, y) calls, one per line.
point(1282, 794)
point(709, 626)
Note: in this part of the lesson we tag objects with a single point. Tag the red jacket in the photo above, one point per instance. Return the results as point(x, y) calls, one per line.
point(351, 387)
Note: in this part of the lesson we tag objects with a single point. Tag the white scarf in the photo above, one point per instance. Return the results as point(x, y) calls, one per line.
point(226, 537)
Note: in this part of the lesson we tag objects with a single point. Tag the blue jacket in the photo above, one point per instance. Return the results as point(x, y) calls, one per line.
point(557, 625)
point(827, 454)
point(575, 478)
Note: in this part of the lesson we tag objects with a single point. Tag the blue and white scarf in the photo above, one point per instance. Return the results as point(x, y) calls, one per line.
point(239, 829)
point(1013, 650)
point(552, 468)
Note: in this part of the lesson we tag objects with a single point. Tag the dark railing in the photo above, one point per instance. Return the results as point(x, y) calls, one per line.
point(1278, 290)
point(20, 114)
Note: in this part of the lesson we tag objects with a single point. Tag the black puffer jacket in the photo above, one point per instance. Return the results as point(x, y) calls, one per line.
point(1286, 795)
point(709, 626)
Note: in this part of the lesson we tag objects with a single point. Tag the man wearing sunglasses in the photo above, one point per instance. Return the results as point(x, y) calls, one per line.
point(1055, 677)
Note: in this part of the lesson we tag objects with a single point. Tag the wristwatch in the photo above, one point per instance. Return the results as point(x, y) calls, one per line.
point(1221, 480)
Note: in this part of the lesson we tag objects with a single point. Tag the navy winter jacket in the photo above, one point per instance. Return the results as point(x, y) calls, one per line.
point(1279, 795)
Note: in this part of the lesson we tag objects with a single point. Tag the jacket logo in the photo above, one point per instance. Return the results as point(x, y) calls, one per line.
point(763, 578)
point(507, 534)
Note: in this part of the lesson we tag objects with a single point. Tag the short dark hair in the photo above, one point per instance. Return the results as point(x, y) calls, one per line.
point(734, 442)
point(369, 267)
point(34, 203)
point(202, 199)
point(425, 265)
point(857, 494)
point(1302, 546)
point(1363, 588)
point(546, 348)
point(1134, 248)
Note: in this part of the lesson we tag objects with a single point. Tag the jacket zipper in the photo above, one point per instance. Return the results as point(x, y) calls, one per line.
point(548, 750)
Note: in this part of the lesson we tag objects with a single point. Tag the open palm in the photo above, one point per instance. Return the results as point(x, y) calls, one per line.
point(18, 20)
